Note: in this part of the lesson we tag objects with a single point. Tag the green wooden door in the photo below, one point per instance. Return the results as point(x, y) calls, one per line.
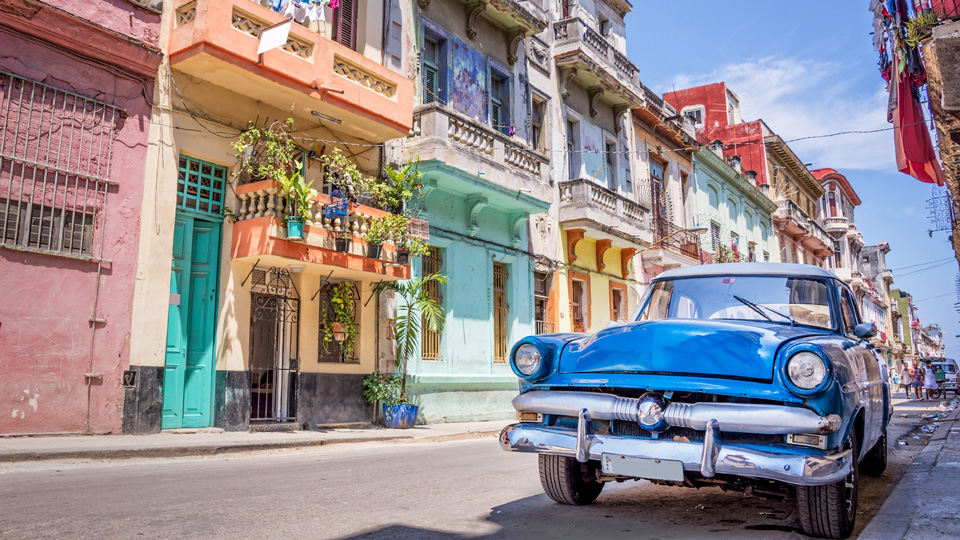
point(191, 324)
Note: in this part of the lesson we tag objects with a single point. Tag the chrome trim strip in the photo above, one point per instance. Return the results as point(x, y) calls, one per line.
point(855, 386)
point(731, 460)
point(733, 417)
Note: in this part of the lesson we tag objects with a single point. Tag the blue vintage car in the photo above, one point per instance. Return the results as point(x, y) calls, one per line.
point(748, 376)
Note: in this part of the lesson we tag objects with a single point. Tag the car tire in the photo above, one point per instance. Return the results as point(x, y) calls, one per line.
point(830, 511)
point(567, 481)
point(875, 462)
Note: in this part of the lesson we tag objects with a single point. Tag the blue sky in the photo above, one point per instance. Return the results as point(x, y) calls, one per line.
point(809, 68)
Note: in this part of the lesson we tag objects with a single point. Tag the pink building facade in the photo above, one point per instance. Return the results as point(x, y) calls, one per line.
point(76, 80)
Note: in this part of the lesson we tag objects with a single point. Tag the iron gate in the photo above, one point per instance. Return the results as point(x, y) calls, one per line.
point(274, 346)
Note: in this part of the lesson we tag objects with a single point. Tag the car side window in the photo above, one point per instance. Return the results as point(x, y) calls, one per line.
point(849, 314)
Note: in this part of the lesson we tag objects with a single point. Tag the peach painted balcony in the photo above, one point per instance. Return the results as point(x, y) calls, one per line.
point(259, 234)
point(216, 41)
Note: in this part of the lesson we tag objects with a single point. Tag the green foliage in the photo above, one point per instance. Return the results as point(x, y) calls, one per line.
point(919, 27)
point(266, 152)
point(342, 304)
point(414, 307)
point(298, 192)
point(385, 228)
point(416, 246)
point(343, 174)
point(383, 388)
point(398, 188)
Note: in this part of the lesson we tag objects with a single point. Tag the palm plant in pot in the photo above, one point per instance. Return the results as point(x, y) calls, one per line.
point(415, 309)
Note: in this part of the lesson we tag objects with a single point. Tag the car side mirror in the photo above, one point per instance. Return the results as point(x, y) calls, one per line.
point(865, 330)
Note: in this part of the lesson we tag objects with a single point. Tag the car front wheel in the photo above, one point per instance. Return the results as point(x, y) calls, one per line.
point(567, 481)
point(875, 461)
point(830, 511)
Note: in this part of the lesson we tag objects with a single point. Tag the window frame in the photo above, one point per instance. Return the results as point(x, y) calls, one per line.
point(338, 23)
point(437, 66)
point(584, 305)
point(502, 81)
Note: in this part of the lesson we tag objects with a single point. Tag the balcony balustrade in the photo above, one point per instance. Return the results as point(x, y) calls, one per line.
point(584, 204)
point(582, 54)
point(795, 222)
point(835, 226)
point(676, 239)
point(258, 232)
point(216, 41)
point(450, 137)
point(544, 327)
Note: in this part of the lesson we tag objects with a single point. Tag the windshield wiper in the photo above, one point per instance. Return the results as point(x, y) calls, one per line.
point(757, 308)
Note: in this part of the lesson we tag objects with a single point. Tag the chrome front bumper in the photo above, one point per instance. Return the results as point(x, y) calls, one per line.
point(708, 458)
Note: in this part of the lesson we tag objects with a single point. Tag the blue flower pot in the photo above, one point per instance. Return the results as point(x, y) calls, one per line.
point(294, 229)
point(400, 416)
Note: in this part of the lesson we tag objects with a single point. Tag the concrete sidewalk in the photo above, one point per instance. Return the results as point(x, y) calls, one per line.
point(924, 503)
point(212, 441)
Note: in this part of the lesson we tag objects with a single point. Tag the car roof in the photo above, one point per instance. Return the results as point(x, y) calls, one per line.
point(748, 269)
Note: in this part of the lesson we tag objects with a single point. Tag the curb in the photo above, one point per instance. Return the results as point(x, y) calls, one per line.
point(217, 449)
point(893, 519)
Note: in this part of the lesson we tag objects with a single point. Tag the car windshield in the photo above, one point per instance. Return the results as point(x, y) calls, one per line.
point(779, 299)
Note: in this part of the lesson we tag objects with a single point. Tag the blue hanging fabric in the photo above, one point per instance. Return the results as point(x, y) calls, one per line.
point(277, 5)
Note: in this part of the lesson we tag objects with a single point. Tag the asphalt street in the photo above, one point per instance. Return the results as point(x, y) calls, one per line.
point(444, 490)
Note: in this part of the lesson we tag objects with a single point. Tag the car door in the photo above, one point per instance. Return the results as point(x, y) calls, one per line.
point(867, 384)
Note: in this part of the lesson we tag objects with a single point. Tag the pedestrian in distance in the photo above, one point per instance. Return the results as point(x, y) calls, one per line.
point(906, 381)
point(916, 380)
point(929, 379)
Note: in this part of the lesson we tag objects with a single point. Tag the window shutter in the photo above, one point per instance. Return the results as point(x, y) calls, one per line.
point(345, 24)
point(714, 236)
point(495, 115)
point(429, 84)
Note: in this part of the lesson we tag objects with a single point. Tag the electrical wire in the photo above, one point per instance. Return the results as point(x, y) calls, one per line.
point(921, 264)
point(925, 269)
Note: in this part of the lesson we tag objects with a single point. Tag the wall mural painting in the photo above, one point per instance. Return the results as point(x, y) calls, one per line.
point(468, 87)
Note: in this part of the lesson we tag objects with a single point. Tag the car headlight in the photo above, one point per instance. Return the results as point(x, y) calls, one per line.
point(527, 359)
point(806, 370)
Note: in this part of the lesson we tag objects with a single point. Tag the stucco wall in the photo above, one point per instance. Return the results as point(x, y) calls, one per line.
point(45, 332)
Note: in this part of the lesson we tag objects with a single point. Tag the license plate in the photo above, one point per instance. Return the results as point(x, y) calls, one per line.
point(652, 469)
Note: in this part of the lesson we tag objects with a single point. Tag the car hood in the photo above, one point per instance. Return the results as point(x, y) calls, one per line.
point(730, 349)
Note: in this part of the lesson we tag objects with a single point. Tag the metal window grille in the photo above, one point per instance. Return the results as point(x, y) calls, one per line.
point(430, 341)
point(500, 312)
point(714, 236)
point(200, 187)
point(766, 256)
point(55, 153)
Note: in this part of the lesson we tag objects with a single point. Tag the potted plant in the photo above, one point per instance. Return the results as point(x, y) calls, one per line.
point(342, 328)
point(388, 227)
point(299, 198)
point(393, 192)
point(415, 308)
point(385, 389)
point(411, 246)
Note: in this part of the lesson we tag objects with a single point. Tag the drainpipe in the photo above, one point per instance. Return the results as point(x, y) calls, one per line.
point(94, 321)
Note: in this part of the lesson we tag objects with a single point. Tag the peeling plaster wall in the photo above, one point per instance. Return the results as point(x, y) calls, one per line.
point(45, 333)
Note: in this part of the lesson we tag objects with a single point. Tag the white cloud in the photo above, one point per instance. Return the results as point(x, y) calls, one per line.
point(800, 98)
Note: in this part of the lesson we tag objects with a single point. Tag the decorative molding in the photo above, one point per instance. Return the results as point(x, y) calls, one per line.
point(602, 247)
point(474, 10)
point(475, 203)
point(516, 227)
point(625, 256)
point(595, 94)
point(566, 76)
point(429, 185)
point(573, 237)
point(618, 112)
point(513, 49)
point(538, 54)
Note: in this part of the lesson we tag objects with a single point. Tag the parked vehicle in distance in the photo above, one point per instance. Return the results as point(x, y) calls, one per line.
point(950, 370)
point(747, 376)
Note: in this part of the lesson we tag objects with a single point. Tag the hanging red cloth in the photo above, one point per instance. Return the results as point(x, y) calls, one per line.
point(915, 155)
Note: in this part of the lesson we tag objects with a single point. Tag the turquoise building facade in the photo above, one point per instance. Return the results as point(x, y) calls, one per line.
point(735, 213)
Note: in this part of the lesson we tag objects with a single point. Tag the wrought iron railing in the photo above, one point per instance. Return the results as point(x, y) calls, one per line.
point(676, 239)
point(945, 9)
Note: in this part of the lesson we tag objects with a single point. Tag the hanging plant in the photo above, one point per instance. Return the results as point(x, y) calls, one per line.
point(725, 255)
point(919, 27)
point(342, 303)
point(266, 152)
